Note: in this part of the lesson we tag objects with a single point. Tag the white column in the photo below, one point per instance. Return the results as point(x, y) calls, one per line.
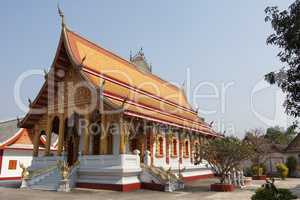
point(116, 143)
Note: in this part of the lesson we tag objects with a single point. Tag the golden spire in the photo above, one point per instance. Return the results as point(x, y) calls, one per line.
point(62, 16)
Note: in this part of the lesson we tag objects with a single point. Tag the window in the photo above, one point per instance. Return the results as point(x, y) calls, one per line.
point(174, 144)
point(160, 147)
point(12, 165)
point(55, 125)
point(186, 145)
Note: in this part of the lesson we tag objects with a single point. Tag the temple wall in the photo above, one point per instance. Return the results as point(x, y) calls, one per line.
point(161, 161)
point(18, 156)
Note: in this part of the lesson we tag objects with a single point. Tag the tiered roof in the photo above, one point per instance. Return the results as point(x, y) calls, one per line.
point(12, 137)
point(142, 94)
point(147, 95)
point(294, 146)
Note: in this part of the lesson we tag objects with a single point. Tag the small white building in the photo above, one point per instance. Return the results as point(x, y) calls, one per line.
point(16, 145)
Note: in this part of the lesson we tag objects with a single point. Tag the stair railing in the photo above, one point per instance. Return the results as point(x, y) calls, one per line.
point(68, 174)
point(31, 177)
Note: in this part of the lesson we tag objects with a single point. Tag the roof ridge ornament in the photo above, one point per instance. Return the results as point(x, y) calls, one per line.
point(62, 16)
point(82, 61)
point(141, 52)
point(29, 102)
point(45, 74)
point(18, 122)
point(183, 87)
point(197, 109)
point(130, 56)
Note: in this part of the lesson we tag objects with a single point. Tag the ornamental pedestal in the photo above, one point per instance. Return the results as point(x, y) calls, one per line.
point(24, 184)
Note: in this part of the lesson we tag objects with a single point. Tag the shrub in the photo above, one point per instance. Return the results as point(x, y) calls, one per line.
point(282, 170)
point(258, 170)
point(268, 194)
point(291, 163)
point(248, 172)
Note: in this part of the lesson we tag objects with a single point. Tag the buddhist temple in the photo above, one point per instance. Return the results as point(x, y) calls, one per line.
point(118, 125)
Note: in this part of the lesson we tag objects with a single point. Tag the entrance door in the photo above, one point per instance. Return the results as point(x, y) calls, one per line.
point(70, 153)
point(72, 143)
point(138, 143)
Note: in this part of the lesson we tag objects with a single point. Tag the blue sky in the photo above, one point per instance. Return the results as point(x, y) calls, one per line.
point(220, 42)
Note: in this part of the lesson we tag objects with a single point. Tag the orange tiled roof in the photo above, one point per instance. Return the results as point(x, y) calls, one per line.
point(147, 95)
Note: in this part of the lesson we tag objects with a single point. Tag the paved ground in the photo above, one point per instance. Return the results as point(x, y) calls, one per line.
point(196, 190)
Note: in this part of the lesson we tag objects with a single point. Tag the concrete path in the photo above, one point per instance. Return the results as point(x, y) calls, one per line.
point(195, 190)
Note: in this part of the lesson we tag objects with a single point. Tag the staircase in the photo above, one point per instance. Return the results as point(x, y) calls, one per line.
point(58, 177)
point(159, 176)
point(49, 182)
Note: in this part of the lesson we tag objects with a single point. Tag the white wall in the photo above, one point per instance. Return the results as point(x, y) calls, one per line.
point(161, 161)
point(22, 156)
point(174, 162)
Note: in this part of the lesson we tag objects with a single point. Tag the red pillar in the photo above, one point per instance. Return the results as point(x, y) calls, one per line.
point(191, 150)
point(150, 141)
point(1, 157)
point(180, 151)
point(151, 148)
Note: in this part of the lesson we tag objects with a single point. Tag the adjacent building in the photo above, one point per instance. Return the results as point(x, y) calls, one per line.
point(16, 145)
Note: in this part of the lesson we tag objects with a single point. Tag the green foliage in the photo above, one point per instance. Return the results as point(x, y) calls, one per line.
point(225, 154)
point(259, 170)
point(281, 136)
point(282, 170)
point(248, 172)
point(268, 194)
point(291, 163)
point(286, 25)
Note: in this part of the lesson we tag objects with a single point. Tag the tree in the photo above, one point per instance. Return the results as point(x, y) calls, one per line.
point(225, 154)
point(276, 135)
point(291, 163)
point(286, 37)
point(260, 145)
point(280, 136)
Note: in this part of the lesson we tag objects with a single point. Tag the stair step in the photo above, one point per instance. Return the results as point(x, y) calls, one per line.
point(50, 182)
point(44, 187)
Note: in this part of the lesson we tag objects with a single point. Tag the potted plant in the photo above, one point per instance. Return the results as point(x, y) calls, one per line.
point(224, 155)
point(258, 171)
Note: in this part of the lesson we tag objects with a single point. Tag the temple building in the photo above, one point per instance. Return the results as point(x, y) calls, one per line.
point(119, 126)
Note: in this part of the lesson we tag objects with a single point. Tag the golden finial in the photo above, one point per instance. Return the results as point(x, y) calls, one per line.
point(61, 14)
